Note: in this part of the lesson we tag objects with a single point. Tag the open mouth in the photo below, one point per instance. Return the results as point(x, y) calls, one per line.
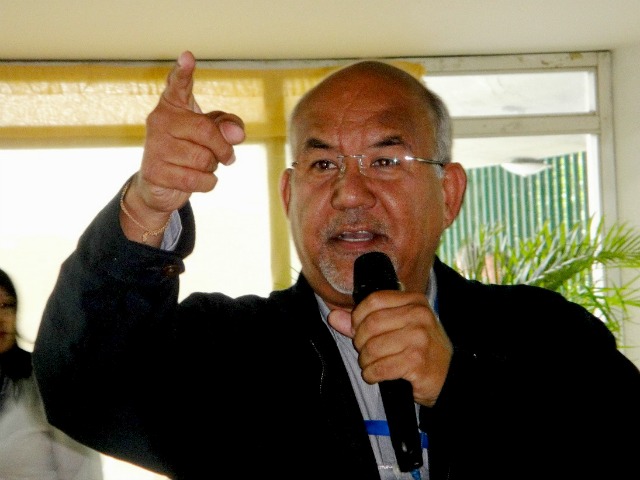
point(359, 236)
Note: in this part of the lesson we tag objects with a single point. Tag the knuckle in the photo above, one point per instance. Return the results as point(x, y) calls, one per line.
point(190, 183)
point(153, 120)
point(201, 159)
point(203, 124)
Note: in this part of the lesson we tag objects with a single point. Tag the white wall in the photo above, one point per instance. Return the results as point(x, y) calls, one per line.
point(626, 113)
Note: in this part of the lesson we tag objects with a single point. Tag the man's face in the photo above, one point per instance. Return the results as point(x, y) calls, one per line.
point(333, 221)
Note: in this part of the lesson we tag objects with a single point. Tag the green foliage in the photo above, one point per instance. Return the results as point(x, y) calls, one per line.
point(573, 261)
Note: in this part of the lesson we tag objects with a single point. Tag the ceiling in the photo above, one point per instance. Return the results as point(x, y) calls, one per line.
point(296, 29)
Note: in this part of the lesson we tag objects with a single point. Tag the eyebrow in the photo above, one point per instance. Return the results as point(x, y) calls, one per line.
point(390, 141)
point(316, 143)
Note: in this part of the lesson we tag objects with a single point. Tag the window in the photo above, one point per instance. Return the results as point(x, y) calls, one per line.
point(70, 135)
point(88, 124)
point(534, 135)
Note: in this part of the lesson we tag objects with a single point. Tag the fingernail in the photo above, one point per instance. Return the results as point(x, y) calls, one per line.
point(180, 57)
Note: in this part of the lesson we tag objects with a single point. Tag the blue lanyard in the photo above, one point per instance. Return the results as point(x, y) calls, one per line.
point(381, 428)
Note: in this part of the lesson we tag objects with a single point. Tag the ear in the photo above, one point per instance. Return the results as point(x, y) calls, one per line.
point(285, 190)
point(454, 184)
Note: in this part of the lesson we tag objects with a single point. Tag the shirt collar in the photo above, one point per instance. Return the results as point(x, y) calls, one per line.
point(431, 293)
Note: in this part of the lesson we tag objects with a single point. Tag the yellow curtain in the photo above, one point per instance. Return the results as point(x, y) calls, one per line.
point(93, 102)
point(105, 104)
point(98, 102)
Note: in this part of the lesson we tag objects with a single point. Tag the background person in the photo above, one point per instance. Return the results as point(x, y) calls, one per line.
point(30, 448)
point(508, 381)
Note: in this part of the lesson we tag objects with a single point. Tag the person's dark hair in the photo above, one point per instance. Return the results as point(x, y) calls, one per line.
point(7, 285)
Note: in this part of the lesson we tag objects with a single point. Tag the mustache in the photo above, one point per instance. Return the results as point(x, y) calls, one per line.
point(353, 220)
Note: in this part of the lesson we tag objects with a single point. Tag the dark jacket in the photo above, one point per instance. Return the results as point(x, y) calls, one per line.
point(217, 387)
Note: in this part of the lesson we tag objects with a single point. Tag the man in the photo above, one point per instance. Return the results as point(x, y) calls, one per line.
point(508, 382)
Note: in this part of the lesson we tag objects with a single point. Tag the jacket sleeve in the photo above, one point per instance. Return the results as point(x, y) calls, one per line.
point(109, 314)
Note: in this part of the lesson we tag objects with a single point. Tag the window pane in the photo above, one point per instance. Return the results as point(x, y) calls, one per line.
point(511, 94)
point(519, 184)
point(48, 197)
point(480, 152)
point(233, 230)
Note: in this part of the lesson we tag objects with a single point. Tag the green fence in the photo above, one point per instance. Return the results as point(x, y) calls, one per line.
point(520, 205)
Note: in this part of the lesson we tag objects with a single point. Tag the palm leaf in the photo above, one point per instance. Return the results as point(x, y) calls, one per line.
point(573, 261)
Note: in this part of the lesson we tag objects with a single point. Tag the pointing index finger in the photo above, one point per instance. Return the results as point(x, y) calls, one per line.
point(179, 89)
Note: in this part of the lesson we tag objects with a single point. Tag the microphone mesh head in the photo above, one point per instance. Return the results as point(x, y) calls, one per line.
point(373, 271)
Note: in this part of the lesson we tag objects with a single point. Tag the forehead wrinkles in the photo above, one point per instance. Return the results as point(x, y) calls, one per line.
point(359, 118)
point(368, 96)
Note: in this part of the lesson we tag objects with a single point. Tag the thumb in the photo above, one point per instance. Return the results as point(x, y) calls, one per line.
point(340, 320)
point(231, 126)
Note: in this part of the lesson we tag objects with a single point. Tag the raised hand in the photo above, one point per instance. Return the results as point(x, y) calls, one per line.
point(182, 150)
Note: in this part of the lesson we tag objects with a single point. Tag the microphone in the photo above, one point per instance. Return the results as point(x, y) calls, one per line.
point(374, 271)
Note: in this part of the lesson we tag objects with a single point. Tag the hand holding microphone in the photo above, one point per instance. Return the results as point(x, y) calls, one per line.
point(398, 330)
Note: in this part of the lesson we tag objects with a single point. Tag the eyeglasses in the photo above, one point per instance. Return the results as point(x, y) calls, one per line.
point(379, 167)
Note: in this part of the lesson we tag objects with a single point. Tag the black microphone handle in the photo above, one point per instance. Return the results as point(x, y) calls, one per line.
point(374, 271)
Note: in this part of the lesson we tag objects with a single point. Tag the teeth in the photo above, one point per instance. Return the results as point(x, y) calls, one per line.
point(359, 236)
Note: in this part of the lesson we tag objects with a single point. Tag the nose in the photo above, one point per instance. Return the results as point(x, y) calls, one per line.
point(352, 189)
